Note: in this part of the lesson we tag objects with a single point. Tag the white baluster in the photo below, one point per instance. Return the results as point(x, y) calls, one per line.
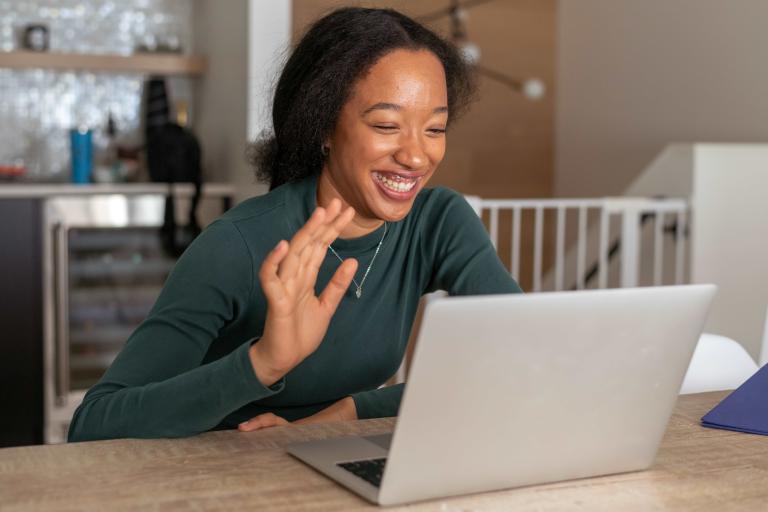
point(495, 226)
point(515, 256)
point(602, 272)
point(680, 247)
point(560, 249)
point(581, 249)
point(537, 248)
point(630, 247)
point(658, 247)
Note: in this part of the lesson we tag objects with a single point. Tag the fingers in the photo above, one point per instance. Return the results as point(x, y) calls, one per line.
point(297, 264)
point(302, 237)
point(312, 258)
point(265, 420)
point(306, 235)
point(316, 257)
point(303, 247)
point(335, 289)
point(333, 228)
point(270, 282)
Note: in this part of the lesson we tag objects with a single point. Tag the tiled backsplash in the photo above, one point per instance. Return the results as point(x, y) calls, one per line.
point(39, 107)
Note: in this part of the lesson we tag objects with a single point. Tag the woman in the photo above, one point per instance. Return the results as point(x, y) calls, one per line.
point(297, 305)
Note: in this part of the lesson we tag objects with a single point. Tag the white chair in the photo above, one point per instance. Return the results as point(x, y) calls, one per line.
point(718, 363)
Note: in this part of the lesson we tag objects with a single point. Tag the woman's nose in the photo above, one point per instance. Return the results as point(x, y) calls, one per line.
point(411, 153)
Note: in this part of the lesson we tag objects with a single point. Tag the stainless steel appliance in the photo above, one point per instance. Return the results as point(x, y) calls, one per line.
point(103, 269)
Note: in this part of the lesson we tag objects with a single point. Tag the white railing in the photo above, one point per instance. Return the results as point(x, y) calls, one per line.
point(585, 249)
point(593, 235)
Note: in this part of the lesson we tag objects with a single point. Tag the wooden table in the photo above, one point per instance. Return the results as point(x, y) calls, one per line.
point(696, 469)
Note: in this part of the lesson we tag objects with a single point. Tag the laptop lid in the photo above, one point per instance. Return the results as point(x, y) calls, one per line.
point(513, 390)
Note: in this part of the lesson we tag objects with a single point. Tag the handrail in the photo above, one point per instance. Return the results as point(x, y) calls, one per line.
point(616, 245)
point(634, 212)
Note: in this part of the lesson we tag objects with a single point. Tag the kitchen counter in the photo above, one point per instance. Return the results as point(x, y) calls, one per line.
point(41, 190)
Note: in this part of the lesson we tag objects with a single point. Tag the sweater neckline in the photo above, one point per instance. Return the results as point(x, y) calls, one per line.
point(349, 245)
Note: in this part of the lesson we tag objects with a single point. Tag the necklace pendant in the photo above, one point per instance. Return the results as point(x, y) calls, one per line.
point(358, 293)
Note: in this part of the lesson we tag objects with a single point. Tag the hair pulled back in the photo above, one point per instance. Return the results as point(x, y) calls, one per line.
point(336, 51)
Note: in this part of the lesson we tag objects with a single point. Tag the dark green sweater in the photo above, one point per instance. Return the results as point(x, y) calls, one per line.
point(186, 370)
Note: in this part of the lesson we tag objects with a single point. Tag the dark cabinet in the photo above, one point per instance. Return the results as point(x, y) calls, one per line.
point(21, 322)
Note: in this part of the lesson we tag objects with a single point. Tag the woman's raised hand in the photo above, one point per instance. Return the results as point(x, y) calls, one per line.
point(297, 319)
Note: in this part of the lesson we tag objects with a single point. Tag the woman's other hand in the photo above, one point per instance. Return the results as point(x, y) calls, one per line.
point(343, 410)
point(297, 319)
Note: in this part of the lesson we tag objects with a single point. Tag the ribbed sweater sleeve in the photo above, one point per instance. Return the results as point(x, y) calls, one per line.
point(378, 403)
point(465, 261)
point(156, 387)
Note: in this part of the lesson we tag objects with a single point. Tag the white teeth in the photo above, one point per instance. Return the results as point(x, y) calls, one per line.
point(399, 184)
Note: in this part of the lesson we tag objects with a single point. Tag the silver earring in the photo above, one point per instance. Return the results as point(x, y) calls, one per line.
point(324, 150)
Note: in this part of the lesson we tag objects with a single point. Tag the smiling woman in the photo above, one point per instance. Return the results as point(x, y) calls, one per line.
point(382, 153)
point(297, 305)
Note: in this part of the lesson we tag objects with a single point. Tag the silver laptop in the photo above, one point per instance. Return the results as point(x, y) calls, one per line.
point(512, 390)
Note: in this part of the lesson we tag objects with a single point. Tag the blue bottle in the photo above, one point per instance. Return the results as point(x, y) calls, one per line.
point(81, 141)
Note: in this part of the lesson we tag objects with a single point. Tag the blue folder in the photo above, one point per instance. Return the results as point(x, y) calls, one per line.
point(745, 409)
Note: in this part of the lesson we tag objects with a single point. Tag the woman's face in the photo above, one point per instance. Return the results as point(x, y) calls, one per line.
point(390, 135)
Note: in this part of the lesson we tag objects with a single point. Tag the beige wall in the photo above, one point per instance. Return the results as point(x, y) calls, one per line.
point(634, 75)
point(729, 244)
point(220, 110)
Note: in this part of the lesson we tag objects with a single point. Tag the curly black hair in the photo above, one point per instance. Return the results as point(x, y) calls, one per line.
point(316, 81)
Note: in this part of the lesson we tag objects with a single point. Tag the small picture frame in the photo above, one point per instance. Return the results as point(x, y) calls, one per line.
point(35, 37)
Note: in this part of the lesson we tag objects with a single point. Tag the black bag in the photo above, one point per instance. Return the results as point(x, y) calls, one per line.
point(174, 156)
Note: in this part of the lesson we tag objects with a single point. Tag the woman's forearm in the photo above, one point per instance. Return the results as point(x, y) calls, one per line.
point(343, 410)
point(186, 404)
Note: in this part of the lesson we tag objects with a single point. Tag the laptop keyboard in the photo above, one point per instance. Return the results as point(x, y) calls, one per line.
point(369, 470)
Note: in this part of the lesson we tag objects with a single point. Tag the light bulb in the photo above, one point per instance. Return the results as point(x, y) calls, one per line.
point(533, 89)
point(470, 52)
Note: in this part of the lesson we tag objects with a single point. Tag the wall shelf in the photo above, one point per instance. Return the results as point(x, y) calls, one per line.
point(156, 63)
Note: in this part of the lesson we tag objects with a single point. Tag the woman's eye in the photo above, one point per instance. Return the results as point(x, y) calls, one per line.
point(385, 127)
point(436, 131)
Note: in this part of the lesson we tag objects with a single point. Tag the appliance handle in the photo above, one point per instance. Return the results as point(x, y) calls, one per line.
point(61, 301)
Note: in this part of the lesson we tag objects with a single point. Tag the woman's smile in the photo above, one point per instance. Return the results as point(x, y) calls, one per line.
point(389, 139)
point(397, 186)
